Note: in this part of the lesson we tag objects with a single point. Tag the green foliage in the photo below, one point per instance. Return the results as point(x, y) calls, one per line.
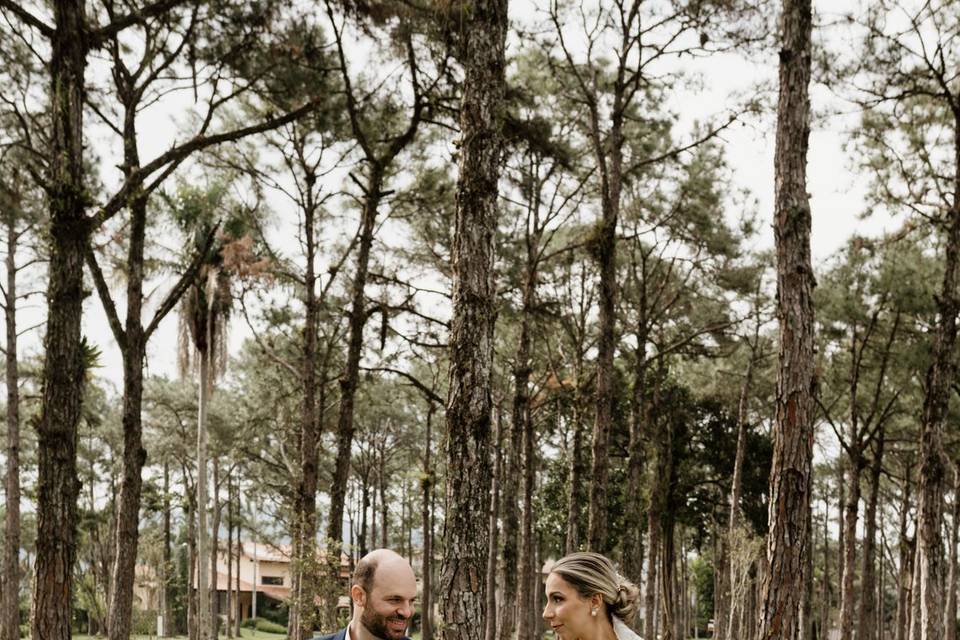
point(703, 571)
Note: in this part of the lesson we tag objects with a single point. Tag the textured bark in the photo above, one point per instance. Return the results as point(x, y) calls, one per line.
point(528, 615)
point(63, 368)
point(165, 582)
point(636, 454)
point(850, 516)
point(471, 328)
point(357, 319)
point(191, 562)
point(736, 491)
point(950, 611)
point(490, 624)
point(306, 566)
point(10, 613)
point(825, 583)
point(133, 345)
point(574, 501)
point(867, 619)
point(940, 375)
point(426, 599)
point(519, 425)
point(653, 556)
point(788, 540)
point(229, 556)
point(806, 603)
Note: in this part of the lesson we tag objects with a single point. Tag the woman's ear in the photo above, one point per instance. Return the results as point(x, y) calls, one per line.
point(596, 602)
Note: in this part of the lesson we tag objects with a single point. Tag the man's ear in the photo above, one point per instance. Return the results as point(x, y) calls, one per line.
point(358, 595)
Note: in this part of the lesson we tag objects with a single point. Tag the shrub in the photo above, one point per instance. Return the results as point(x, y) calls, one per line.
point(144, 622)
point(270, 627)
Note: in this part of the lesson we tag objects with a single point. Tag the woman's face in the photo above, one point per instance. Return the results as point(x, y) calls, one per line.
point(567, 612)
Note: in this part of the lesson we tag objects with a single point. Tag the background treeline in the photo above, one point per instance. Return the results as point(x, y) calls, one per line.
point(377, 349)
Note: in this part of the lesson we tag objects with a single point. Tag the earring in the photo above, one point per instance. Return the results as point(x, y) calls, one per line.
point(593, 612)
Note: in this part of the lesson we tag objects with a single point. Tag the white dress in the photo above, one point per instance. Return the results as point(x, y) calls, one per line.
point(623, 631)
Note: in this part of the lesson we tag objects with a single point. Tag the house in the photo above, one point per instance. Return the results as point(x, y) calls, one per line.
point(264, 571)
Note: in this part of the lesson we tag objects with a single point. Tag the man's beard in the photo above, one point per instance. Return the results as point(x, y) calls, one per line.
point(376, 624)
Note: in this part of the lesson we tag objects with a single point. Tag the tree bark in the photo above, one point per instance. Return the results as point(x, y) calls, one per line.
point(471, 328)
point(229, 555)
point(736, 491)
point(165, 582)
point(214, 548)
point(528, 615)
point(306, 565)
point(950, 612)
point(203, 500)
point(520, 419)
point(867, 626)
point(574, 501)
point(939, 377)
point(348, 387)
point(64, 366)
point(851, 514)
point(788, 539)
point(491, 577)
point(10, 615)
point(426, 599)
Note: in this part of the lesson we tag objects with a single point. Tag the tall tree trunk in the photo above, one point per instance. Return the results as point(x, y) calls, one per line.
point(348, 387)
point(825, 584)
point(306, 566)
point(788, 539)
point(471, 327)
point(574, 500)
point(427, 571)
point(610, 160)
point(214, 549)
point(236, 620)
point(192, 590)
point(636, 454)
point(10, 615)
point(667, 579)
point(736, 491)
point(940, 376)
point(520, 417)
point(203, 533)
point(365, 499)
point(528, 618)
point(384, 505)
point(229, 556)
point(133, 344)
point(950, 612)
point(165, 582)
point(63, 368)
point(866, 629)
point(491, 577)
point(851, 514)
point(806, 604)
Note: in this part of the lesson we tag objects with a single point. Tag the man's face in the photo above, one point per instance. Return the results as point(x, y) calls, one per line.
point(389, 606)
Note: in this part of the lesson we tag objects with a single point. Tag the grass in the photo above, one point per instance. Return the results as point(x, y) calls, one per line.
point(245, 634)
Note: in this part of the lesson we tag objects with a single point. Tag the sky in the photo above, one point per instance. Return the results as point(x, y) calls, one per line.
point(837, 191)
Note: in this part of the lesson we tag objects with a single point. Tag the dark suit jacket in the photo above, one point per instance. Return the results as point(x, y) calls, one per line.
point(342, 635)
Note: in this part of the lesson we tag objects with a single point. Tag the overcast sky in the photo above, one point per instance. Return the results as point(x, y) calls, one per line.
point(837, 193)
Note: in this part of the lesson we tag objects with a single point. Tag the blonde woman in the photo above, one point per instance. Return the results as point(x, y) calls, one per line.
point(588, 600)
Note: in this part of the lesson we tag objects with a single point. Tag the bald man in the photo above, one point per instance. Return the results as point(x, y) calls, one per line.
point(384, 591)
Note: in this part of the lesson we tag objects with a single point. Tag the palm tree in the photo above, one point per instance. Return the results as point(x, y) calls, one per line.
point(203, 321)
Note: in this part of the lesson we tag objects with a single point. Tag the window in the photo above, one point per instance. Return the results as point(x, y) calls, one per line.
point(274, 580)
